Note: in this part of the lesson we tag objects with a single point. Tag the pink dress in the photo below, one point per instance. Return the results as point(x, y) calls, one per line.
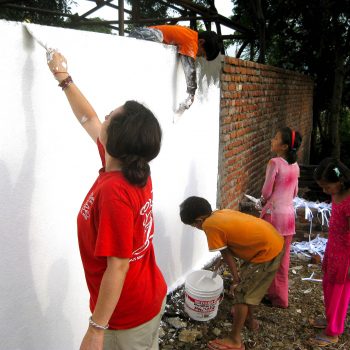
point(279, 190)
point(336, 264)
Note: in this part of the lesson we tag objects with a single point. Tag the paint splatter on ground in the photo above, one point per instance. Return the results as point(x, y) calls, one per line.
point(280, 329)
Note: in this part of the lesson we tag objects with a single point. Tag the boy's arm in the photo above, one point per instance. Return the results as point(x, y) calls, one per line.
point(189, 67)
point(230, 261)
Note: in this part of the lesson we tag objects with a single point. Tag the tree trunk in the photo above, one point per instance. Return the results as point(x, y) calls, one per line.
point(244, 45)
point(135, 10)
point(315, 125)
point(335, 106)
point(261, 26)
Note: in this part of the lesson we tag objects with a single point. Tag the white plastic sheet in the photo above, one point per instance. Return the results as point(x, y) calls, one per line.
point(323, 213)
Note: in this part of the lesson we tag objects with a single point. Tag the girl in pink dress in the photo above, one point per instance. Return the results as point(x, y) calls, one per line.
point(334, 178)
point(279, 190)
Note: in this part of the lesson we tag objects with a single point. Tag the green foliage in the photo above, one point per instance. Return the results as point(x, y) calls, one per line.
point(306, 36)
point(99, 28)
point(62, 6)
point(146, 9)
point(21, 15)
point(156, 9)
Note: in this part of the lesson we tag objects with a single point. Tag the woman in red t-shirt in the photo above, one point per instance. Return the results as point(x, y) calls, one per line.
point(115, 224)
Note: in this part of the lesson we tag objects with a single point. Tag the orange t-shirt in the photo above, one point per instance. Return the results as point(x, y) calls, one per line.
point(249, 238)
point(184, 38)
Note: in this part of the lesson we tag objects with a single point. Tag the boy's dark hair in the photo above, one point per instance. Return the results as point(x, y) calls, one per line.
point(211, 44)
point(286, 136)
point(333, 170)
point(192, 208)
point(134, 137)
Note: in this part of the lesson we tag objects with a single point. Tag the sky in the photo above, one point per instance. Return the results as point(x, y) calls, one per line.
point(224, 8)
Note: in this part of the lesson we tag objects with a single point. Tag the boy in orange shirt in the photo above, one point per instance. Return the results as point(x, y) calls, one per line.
point(190, 44)
point(243, 236)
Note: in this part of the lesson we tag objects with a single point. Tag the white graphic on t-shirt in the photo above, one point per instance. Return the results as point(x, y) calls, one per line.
point(85, 209)
point(147, 223)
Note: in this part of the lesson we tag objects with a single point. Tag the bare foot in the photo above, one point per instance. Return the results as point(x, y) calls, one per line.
point(319, 322)
point(253, 325)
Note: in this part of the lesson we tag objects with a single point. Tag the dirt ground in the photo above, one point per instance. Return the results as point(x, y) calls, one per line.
point(286, 329)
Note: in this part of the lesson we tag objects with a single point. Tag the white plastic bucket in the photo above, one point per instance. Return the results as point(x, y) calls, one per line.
point(203, 295)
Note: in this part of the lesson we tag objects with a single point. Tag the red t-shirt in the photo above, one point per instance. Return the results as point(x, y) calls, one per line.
point(116, 220)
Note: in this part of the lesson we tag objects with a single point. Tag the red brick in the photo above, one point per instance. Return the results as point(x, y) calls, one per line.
point(255, 100)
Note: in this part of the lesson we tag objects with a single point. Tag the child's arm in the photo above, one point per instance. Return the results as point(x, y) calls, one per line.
point(189, 67)
point(349, 235)
point(296, 189)
point(230, 261)
point(270, 176)
point(346, 213)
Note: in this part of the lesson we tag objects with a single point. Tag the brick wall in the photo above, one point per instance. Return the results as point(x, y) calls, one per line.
point(256, 100)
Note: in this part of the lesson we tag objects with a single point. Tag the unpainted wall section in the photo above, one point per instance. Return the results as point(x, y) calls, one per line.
point(256, 100)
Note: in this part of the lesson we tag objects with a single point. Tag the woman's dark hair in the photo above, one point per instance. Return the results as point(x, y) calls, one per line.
point(286, 136)
point(134, 137)
point(192, 208)
point(333, 170)
point(211, 44)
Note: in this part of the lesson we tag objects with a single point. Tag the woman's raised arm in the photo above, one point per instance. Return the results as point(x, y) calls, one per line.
point(81, 107)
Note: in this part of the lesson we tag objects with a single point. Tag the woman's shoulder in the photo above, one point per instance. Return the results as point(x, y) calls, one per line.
point(112, 183)
point(116, 189)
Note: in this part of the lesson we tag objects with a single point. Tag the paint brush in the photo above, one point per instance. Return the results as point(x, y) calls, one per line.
point(35, 37)
point(49, 50)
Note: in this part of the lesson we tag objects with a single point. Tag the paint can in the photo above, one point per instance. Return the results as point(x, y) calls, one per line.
point(203, 294)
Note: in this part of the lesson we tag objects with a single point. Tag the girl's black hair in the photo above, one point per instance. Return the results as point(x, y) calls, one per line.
point(286, 136)
point(333, 170)
point(212, 45)
point(134, 137)
point(192, 208)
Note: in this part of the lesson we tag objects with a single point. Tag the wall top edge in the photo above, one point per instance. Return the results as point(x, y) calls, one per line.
point(250, 64)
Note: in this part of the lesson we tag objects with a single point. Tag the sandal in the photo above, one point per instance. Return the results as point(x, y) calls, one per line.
point(218, 344)
point(322, 340)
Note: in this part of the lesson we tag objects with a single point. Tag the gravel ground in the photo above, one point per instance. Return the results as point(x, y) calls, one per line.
point(286, 329)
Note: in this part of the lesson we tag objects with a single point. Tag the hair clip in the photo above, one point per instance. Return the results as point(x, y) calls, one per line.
point(337, 172)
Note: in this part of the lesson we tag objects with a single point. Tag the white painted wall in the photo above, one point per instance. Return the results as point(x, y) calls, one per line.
point(48, 163)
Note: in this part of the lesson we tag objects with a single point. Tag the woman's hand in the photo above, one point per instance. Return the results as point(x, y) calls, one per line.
point(57, 64)
point(93, 340)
